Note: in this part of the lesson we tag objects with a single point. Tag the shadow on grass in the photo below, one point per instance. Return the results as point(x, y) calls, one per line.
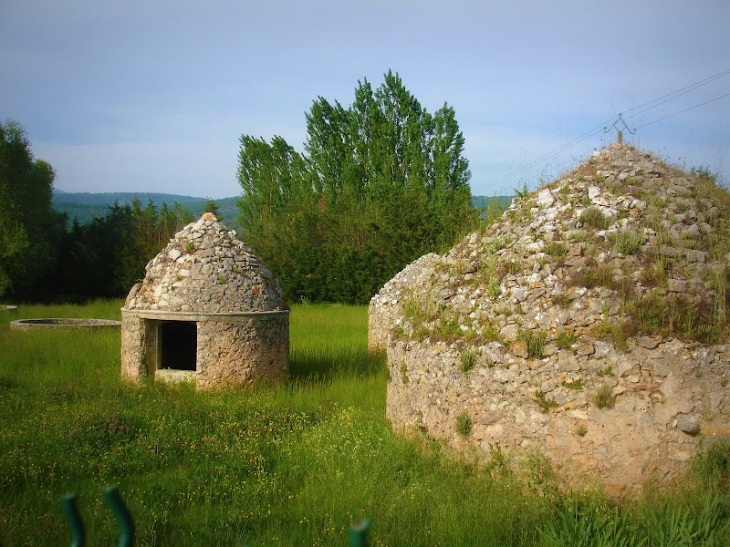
point(333, 362)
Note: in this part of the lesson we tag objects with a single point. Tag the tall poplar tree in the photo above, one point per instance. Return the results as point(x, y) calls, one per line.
point(382, 182)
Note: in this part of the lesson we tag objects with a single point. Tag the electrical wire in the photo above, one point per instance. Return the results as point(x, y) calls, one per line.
point(596, 129)
point(685, 110)
point(585, 136)
point(676, 94)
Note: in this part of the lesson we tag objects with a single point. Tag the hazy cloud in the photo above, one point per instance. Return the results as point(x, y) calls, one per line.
point(155, 94)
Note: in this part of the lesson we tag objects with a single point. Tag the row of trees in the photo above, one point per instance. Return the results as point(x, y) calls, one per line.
point(43, 258)
point(382, 183)
point(105, 258)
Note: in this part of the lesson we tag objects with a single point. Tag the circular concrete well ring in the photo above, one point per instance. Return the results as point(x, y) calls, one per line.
point(63, 323)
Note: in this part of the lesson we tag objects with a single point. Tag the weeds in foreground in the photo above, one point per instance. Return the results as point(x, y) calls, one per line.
point(291, 465)
point(577, 523)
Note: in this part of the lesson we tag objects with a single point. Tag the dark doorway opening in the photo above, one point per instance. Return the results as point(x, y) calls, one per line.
point(179, 344)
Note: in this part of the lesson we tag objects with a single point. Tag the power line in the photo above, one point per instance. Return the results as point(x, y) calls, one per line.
point(588, 134)
point(676, 94)
point(642, 108)
point(686, 110)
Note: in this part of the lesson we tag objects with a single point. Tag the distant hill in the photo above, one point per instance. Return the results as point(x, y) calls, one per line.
point(84, 206)
point(483, 201)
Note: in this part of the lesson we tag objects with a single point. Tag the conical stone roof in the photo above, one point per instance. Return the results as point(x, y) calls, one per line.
point(624, 246)
point(205, 268)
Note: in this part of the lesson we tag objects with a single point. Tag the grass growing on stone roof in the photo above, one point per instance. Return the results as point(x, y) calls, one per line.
point(652, 242)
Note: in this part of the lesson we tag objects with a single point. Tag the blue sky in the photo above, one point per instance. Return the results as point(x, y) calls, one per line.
point(154, 95)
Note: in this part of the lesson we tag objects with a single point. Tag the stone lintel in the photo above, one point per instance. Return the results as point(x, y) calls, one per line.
point(163, 315)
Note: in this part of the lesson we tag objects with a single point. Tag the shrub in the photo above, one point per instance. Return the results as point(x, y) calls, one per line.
point(494, 289)
point(575, 384)
point(562, 300)
point(627, 242)
point(618, 331)
point(556, 250)
point(535, 341)
point(677, 315)
point(594, 275)
point(544, 403)
point(566, 339)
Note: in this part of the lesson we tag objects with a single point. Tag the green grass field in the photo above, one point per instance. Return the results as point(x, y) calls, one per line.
point(293, 465)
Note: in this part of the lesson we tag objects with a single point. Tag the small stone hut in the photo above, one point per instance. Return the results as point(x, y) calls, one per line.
point(588, 324)
point(208, 310)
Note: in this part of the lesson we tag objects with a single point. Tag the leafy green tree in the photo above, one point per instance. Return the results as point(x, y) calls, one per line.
point(278, 205)
point(30, 229)
point(382, 182)
point(108, 256)
point(101, 259)
point(211, 207)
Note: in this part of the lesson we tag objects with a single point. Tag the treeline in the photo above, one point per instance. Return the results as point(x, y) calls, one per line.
point(30, 230)
point(42, 258)
point(84, 207)
point(382, 182)
point(106, 257)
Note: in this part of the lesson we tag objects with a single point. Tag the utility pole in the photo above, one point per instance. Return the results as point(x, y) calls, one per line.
point(619, 132)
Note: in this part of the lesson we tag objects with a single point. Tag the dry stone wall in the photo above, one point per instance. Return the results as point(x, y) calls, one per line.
point(588, 323)
point(138, 346)
point(241, 353)
point(206, 268)
point(665, 399)
point(207, 277)
point(384, 310)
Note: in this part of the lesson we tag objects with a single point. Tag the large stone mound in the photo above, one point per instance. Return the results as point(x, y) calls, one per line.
point(588, 323)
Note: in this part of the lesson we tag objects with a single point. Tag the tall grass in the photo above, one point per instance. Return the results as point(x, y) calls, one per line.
point(292, 465)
